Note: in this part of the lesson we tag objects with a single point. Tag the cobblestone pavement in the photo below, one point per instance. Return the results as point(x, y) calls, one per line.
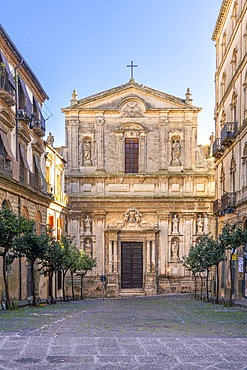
point(163, 332)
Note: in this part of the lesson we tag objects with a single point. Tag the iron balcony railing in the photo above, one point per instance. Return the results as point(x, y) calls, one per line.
point(217, 148)
point(228, 133)
point(228, 202)
point(31, 179)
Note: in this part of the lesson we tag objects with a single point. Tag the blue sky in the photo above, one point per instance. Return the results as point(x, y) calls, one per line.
point(87, 44)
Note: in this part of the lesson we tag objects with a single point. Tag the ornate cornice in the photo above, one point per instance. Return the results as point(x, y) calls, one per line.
point(221, 17)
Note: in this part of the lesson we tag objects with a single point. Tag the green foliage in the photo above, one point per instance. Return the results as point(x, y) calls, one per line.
point(31, 245)
point(85, 263)
point(11, 226)
point(233, 236)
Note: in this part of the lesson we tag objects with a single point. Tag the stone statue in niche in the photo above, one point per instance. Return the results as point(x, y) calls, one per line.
point(200, 224)
point(176, 151)
point(175, 250)
point(87, 152)
point(88, 248)
point(132, 109)
point(175, 224)
point(87, 225)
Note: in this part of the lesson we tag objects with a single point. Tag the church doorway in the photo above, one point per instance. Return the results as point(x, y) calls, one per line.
point(131, 265)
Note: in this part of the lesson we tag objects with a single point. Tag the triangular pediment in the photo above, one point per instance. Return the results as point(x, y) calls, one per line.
point(131, 99)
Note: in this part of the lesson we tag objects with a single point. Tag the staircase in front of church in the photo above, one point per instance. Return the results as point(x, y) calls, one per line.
point(134, 292)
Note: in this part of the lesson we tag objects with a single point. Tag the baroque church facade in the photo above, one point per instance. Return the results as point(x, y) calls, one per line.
point(140, 188)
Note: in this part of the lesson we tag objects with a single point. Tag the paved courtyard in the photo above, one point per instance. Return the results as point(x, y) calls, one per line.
point(163, 332)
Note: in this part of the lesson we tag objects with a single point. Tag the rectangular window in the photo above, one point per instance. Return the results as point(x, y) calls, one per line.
point(131, 155)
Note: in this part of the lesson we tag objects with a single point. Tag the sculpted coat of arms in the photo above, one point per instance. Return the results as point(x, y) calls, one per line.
point(132, 109)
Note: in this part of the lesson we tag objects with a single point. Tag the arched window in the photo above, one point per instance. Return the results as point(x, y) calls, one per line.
point(6, 204)
point(234, 60)
point(38, 222)
point(223, 44)
point(245, 38)
point(222, 179)
point(223, 84)
point(25, 212)
point(223, 119)
point(234, 14)
point(234, 106)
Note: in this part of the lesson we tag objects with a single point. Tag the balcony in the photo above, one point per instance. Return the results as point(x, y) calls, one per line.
point(7, 93)
point(38, 127)
point(33, 180)
point(218, 150)
point(228, 133)
point(228, 202)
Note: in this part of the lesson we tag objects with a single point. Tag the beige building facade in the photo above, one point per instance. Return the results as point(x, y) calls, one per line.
point(23, 188)
point(141, 189)
point(230, 146)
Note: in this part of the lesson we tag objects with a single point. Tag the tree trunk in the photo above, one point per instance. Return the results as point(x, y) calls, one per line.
point(51, 285)
point(33, 284)
point(207, 278)
point(195, 286)
point(81, 286)
point(64, 273)
point(217, 283)
point(231, 278)
point(72, 285)
point(5, 278)
point(201, 277)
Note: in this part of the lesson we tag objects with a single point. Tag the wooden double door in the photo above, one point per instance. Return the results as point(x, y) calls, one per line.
point(131, 265)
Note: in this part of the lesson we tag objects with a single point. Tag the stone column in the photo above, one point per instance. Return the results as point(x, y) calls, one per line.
point(100, 141)
point(112, 288)
point(142, 154)
point(163, 122)
point(115, 256)
point(73, 145)
point(110, 257)
point(98, 226)
point(120, 152)
point(163, 242)
point(152, 244)
point(148, 256)
point(150, 285)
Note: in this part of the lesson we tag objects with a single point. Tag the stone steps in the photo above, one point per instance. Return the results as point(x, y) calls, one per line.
point(131, 292)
